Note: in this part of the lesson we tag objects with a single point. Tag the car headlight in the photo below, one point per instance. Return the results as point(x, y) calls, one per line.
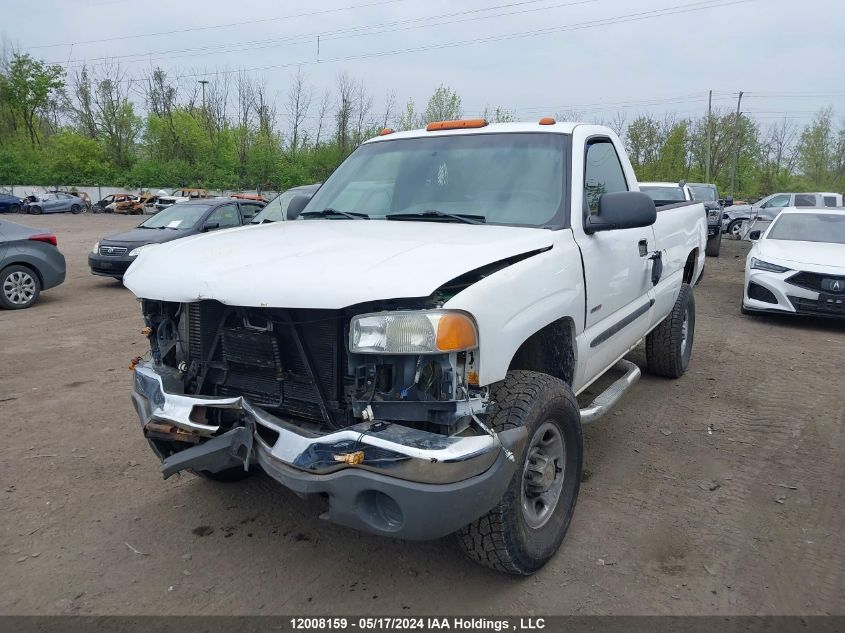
point(713, 214)
point(759, 264)
point(96, 248)
point(423, 332)
point(136, 251)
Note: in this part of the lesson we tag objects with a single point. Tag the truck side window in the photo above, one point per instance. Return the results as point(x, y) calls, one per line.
point(805, 199)
point(602, 172)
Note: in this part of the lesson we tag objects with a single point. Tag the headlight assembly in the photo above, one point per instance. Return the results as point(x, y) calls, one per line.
point(96, 248)
point(423, 332)
point(759, 264)
point(136, 251)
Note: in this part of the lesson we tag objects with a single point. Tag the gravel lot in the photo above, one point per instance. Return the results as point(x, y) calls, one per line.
point(720, 493)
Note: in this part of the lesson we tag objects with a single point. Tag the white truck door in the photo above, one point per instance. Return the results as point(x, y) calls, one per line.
point(617, 269)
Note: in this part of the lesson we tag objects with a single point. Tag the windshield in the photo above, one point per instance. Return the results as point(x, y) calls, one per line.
point(275, 209)
point(663, 193)
point(809, 227)
point(511, 179)
point(178, 216)
point(703, 193)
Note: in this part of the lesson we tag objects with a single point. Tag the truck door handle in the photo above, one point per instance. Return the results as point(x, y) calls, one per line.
point(643, 244)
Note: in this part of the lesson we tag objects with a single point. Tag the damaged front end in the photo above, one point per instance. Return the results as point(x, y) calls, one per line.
point(376, 406)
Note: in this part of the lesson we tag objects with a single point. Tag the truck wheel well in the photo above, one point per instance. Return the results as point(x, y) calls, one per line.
point(551, 351)
point(689, 267)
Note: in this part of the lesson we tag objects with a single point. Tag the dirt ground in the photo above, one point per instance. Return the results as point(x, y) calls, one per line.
point(719, 493)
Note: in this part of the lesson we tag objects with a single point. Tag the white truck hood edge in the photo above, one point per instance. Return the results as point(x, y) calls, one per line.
point(326, 264)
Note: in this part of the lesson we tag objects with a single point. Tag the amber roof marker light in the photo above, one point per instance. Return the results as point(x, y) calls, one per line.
point(547, 120)
point(458, 124)
point(386, 131)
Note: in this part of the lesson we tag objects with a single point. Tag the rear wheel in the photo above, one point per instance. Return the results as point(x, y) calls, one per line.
point(19, 287)
point(714, 245)
point(527, 526)
point(734, 228)
point(668, 347)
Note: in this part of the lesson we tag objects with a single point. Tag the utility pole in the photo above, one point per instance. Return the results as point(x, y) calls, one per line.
point(735, 145)
point(203, 82)
point(709, 128)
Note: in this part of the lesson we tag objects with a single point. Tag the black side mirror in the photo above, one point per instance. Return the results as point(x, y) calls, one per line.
point(622, 210)
point(754, 236)
point(729, 201)
point(295, 206)
point(210, 226)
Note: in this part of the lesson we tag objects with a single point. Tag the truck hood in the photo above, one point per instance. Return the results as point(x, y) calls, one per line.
point(326, 264)
point(811, 256)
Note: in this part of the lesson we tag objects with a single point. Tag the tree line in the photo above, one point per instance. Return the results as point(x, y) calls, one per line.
point(101, 125)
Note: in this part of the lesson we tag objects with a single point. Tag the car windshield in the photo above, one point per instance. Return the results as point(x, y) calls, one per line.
point(663, 193)
point(275, 209)
point(511, 179)
point(703, 193)
point(178, 216)
point(809, 227)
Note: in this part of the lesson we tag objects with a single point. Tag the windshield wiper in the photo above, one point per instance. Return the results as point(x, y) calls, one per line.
point(352, 215)
point(468, 218)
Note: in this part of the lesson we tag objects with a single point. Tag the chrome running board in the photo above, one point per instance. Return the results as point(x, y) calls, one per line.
point(605, 401)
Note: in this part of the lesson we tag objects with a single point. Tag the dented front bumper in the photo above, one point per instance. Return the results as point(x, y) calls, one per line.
point(380, 477)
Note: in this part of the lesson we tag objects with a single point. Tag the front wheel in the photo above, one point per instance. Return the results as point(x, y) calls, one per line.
point(734, 228)
point(15, 208)
point(526, 528)
point(35, 210)
point(668, 347)
point(714, 245)
point(76, 209)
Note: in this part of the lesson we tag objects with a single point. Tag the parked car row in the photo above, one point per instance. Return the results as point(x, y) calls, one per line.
point(767, 209)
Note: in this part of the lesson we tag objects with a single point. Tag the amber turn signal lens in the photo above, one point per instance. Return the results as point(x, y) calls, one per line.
point(455, 125)
point(455, 332)
point(547, 120)
point(385, 132)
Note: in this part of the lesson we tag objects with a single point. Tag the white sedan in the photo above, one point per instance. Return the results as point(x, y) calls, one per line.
point(797, 265)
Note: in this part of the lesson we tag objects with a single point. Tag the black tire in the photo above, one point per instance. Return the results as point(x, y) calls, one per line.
point(15, 208)
point(230, 475)
point(714, 245)
point(35, 210)
point(14, 296)
point(504, 539)
point(733, 225)
point(667, 350)
point(76, 209)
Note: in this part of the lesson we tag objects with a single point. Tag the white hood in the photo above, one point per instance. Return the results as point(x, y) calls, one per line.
point(809, 256)
point(323, 263)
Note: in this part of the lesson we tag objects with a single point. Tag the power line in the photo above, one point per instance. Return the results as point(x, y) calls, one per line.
point(359, 31)
point(633, 17)
point(224, 25)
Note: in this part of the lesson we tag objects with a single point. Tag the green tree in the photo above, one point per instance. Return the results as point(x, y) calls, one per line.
point(27, 91)
point(444, 105)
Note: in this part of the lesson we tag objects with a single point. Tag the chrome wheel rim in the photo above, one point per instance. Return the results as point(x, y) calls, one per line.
point(684, 332)
point(736, 228)
point(19, 288)
point(543, 475)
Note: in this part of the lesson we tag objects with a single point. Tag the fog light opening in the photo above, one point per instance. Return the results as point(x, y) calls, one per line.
point(380, 511)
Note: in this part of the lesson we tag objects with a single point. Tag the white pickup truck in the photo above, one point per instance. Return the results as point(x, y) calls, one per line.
point(411, 346)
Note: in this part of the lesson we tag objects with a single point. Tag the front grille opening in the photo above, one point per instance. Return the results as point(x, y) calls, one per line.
point(759, 293)
point(269, 356)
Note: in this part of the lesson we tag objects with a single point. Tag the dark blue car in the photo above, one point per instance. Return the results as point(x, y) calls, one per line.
point(10, 204)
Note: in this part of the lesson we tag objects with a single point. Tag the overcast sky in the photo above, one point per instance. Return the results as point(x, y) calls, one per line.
point(597, 57)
